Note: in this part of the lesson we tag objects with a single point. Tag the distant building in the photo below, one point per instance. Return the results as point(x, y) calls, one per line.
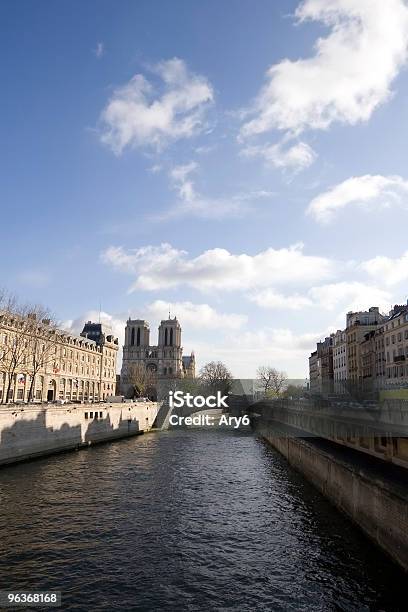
point(339, 360)
point(165, 359)
point(358, 324)
point(77, 368)
point(321, 367)
point(370, 354)
point(396, 347)
point(314, 374)
point(325, 355)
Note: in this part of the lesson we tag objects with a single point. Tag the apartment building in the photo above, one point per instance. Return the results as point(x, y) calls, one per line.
point(321, 367)
point(339, 360)
point(395, 335)
point(370, 354)
point(358, 324)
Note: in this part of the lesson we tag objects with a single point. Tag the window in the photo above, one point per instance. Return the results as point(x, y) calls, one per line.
point(100, 415)
point(91, 415)
point(86, 415)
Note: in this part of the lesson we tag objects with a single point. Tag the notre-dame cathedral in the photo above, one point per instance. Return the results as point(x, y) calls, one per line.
point(165, 359)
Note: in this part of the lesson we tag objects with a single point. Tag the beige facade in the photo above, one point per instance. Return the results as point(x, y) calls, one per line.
point(358, 325)
point(315, 374)
point(69, 367)
point(165, 359)
point(339, 360)
point(369, 355)
point(395, 333)
point(321, 367)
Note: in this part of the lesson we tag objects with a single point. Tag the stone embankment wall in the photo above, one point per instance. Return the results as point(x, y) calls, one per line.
point(27, 432)
point(377, 505)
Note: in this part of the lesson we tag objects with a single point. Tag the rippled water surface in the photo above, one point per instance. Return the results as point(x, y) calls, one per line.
point(185, 520)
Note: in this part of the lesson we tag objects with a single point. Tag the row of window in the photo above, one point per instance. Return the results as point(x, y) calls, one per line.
point(397, 338)
point(403, 319)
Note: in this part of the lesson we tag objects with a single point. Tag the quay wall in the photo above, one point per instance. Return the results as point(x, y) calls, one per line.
point(378, 507)
point(27, 432)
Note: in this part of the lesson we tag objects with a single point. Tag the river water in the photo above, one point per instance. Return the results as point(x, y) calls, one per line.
point(185, 520)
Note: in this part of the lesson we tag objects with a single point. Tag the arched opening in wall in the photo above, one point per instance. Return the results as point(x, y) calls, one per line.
point(132, 336)
point(165, 337)
point(171, 337)
point(138, 337)
point(52, 386)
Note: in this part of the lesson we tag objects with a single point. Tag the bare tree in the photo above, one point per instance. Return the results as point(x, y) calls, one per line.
point(27, 341)
point(273, 381)
point(16, 325)
point(216, 376)
point(141, 378)
point(42, 345)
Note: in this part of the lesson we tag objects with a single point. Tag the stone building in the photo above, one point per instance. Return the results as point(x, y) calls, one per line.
point(396, 347)
point(54, 363)
point(339, 360)
point(321, 367)
point(314, 374)
point(325, 353)
point(165, 360)
point(358, 324)
point(369, 355)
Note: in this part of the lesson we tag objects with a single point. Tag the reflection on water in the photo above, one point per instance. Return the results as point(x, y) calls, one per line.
point(185, 520)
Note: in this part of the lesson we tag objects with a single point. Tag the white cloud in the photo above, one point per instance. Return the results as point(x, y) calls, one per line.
point(351, 296)
point(279, 347)
point(269, 298)
point(196, 316)
point(282, 340)
point(116, 324)
point(191, 202)
point(349, 75)
point(297, 157)
point(390, 271)
point(155, 169)
point(347, 295)
point(99, 50)
point(137, 115)
point(373, 191)
point(160, 267)
point(243, 352)
point(183, 184)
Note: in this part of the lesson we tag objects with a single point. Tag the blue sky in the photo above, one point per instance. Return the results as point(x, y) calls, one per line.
point(264, 144)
